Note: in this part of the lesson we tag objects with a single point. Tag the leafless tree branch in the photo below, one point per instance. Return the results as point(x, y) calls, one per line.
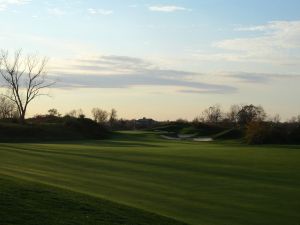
point(24, 77)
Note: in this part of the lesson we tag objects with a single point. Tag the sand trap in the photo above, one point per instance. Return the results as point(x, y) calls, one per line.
point(170, 138)
point(181, 138)
point(203, 139)
point(186, 135)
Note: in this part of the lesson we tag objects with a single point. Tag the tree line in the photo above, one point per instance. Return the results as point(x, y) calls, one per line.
point(254, 122)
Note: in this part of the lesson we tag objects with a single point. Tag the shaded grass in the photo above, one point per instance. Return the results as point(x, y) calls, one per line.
point(28, 203)
point(198, 183)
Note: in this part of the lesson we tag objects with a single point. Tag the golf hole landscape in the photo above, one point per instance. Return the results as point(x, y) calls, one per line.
point(149, 112)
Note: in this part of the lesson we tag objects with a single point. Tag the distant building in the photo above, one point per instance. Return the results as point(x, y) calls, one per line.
point(145, 123)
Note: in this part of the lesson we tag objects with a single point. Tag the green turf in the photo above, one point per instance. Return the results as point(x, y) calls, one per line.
point(219, 183)
point(28, 203)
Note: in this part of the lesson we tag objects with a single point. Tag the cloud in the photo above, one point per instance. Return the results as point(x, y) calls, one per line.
point(277, 42)
point(100, 12)
point(5, 3)
point(260, 77)
point(128, 72)
point(167, 8)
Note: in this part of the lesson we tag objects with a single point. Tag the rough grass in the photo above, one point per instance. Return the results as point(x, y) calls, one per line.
point(197, 183)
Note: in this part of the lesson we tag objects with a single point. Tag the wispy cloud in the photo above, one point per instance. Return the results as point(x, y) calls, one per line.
point(6, 3)
point(100, 11)
point(276, 42)
point(167, 8)
point(260, 78)
point(127, 72)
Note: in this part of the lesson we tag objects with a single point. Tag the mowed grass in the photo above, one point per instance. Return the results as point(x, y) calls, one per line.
point(29, 203)
point(222, 183)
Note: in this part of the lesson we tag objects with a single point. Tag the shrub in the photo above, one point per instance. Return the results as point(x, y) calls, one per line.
point(256, 133)
point(87, 127)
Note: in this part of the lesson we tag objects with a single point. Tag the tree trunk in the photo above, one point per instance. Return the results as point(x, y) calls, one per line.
point(22, 118)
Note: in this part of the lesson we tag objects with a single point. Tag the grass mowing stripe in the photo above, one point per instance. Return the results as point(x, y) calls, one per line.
point(27, 203)
point(199, 183)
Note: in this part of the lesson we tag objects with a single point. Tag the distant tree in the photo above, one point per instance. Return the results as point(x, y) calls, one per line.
point(99, 115)
point(275, 119)
point(76, 113)
point(249, 113)
point(198, 119)
point(232, 115)
point(80, 114)
point(72, 113)
point(295, 119)
point(53, 112)
point(213, 114)
point(7, 108)
point(256, 132)
point(112, 117)
point(24, 78)
point(180, 120)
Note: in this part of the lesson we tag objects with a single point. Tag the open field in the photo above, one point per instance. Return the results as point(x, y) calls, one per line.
point(138, 178)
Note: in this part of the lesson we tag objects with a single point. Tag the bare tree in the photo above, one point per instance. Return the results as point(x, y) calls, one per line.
point(24, 77)
point(54, 112)
point(100, 116)
point(76, 113)
point(232, 115)
point(7, 108)
point(199, 119)
point(275, 119)
point(113, 117)
point(213, 114)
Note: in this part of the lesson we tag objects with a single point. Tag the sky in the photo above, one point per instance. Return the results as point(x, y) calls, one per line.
point(160, 59)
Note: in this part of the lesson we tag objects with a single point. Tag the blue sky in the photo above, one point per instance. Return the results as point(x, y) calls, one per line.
point(161, 59)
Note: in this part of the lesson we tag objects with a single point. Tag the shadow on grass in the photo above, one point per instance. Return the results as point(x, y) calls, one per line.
point(27, 203)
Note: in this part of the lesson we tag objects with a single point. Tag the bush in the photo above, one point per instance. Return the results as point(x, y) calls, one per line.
point(256, 133)
point(87, 127)
point(294, 134)
point(67, 128)
point(272, 133)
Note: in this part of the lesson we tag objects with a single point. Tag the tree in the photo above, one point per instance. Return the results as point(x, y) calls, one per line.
point(257, 133)
point(232, 115)
point(24, 78)
point(275, 119)
point(99, 115)
point(249, 113)
point(198, 119)
point(294, 119)
point(7, 108)
point(53, 112)
point(213, 114)
point(112, 117)
point(72, 113)
point(76, 113)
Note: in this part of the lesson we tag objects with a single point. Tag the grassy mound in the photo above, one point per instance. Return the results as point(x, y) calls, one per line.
point(27, 203)
point(200, 129)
